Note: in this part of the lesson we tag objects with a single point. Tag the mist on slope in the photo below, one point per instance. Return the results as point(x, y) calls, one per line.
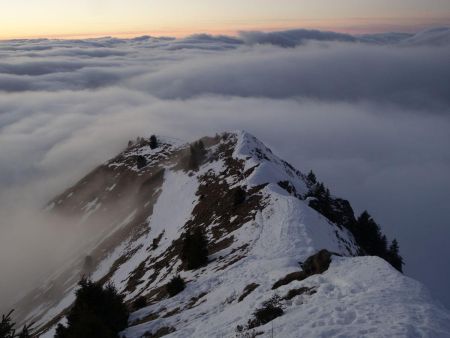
point(371, 120)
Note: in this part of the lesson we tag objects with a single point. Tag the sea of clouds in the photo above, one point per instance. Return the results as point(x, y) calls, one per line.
point(369, 114)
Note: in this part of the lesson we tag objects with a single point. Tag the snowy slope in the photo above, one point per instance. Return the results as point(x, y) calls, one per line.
point(254, 243)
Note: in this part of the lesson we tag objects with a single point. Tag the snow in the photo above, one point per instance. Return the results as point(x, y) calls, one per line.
point(173, 207)
point(356, 297)
point(268, 167)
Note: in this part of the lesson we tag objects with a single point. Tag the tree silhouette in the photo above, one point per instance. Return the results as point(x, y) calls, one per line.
point(311, 177)
point(153, 142)
point(394, 257)
point(98, 312)
point(7, 328)
point(194, 251)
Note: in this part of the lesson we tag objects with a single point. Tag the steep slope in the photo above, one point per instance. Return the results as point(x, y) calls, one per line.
point(259, 223)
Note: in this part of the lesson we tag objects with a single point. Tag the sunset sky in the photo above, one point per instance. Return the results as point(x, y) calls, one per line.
point(85, 18)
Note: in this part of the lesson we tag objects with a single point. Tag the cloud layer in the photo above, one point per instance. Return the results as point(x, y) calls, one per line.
point(369, 114)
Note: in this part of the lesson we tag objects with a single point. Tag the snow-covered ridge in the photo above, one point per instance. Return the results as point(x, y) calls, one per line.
point(145, 200)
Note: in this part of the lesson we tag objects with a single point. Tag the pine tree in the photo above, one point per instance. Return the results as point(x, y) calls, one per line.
point(194, 251)
point(7, 326)
point(26, 332)
point(153, 142)
point(7, 329)
point(239, 196)
point(98, 312)
point(394, 256)
point(311, 177)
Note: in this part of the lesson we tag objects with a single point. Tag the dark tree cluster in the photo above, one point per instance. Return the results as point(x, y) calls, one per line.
point(98, 312)
point(369, 237)
point(175, 286)
point(194, 250)
point(197, 154)
point(365, 230)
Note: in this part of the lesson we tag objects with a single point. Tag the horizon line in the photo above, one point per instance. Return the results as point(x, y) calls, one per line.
point(234, 33)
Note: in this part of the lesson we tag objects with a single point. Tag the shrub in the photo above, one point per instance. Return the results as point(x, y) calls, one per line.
point(194, 252)
point(175, 286)
point(98, 312)
point(270, 310)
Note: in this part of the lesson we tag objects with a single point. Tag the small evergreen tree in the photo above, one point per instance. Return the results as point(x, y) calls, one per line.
point(153, 142)
point(141, 162)
point(7, 328)
point(239, 196)
point(98, 312)
point(311, 177)
point(26, 332)
point(175, 286)
point(194, 251)
point(394, 256)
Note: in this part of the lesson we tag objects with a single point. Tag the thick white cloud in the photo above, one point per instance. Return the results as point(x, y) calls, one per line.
point(371, 120)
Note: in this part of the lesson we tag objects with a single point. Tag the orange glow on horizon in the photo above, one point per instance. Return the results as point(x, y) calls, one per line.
point(350, 26)
point(94, 18)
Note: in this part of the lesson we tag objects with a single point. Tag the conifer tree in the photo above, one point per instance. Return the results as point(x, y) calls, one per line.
point(311, 177)
point(98, 312)
point(394, 256)
point(7, 328)
point(153, 142)
point(194, 252)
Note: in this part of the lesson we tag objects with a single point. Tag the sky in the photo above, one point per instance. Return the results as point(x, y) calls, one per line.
point(370, 115)
point(91, 18)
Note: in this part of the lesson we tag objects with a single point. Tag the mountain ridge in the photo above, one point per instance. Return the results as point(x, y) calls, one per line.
point(143, 202)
